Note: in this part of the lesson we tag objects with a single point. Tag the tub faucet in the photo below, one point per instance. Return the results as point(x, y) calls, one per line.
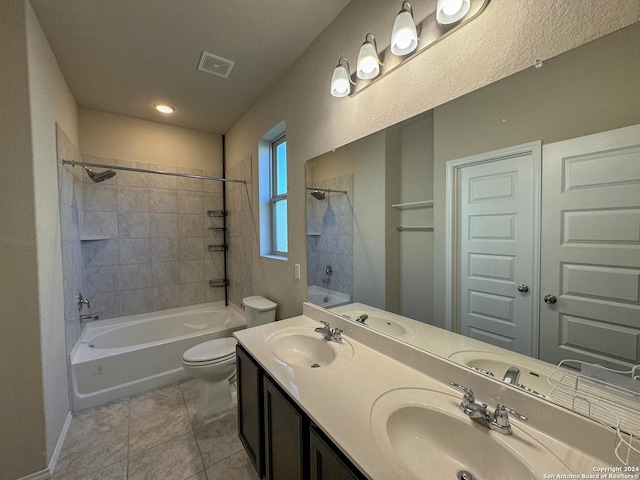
point(362, 318)
point(83, 301)
point(89, 318)
point(511, 376)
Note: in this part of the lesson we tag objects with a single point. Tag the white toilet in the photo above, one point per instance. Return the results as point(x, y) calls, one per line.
point(214, 362)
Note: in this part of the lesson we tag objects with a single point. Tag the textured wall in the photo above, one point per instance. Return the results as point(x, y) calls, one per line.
point(489, 48)
point(22, 442)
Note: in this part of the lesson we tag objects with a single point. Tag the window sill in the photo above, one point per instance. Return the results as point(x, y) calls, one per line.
point(275, 257)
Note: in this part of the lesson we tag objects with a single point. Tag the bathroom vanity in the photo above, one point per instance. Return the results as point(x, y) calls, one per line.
point(373, 407)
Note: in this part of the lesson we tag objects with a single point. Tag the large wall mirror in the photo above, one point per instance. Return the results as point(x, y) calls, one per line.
point(378, 232)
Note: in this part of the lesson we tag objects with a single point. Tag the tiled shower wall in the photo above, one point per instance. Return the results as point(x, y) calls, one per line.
point(240, 232)
point(145, 239)
point(70, 190)
point(330, 235)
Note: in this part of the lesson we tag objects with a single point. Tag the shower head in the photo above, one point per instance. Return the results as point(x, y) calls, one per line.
point(318, 195)
point(100, 177)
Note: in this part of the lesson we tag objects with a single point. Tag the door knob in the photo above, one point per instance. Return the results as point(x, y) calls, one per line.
point(550, 299)
point(523, 288)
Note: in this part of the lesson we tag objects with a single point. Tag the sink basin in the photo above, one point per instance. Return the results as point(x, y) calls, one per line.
point(384, 324)
point(302, 347)
point(424, 435)
point(532, 375)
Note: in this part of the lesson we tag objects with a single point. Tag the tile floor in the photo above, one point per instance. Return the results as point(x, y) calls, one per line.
point(155, 435)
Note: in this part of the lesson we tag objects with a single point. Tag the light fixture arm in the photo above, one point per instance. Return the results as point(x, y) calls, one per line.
point(406, 7)
point(340, 60)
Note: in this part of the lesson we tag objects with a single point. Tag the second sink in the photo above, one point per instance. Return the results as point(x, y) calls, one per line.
point(424, 435)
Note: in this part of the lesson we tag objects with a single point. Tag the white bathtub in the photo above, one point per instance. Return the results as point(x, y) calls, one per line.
point(123, 356)
point(317, 295)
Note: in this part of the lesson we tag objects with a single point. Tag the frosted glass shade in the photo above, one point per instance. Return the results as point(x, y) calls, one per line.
point(450, 11)
point(340, 82)
point(368, 62)
point(404, 37)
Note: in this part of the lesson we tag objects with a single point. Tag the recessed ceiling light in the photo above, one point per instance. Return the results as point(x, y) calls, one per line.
point(164, 108)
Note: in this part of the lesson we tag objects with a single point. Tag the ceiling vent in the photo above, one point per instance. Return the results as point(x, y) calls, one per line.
point(210, 63)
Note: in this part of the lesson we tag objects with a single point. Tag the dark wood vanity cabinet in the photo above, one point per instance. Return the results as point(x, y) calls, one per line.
point(250, 408)
point(326, 463)
point(278, 436)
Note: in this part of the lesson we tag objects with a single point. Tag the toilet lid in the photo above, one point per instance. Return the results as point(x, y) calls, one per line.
point(211, 350)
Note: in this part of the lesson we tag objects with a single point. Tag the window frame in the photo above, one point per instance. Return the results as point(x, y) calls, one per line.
point(276, 197)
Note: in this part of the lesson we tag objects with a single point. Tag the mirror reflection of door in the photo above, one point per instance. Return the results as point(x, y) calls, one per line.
point(589, 298)
point(497, 229)
point(591, 249)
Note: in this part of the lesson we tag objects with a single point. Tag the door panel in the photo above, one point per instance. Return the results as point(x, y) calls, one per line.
point(497, 204)
point(591, 249)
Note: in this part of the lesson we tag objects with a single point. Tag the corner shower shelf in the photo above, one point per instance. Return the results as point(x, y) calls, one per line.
point(217, 213)
point(220, 282)
point(217, 248)
point(218, 229)
point(93, 238)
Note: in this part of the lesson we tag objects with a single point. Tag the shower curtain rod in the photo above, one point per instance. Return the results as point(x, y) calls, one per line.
point(158, 172)
point(328, 190)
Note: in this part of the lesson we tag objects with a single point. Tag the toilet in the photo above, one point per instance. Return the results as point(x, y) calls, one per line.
point(214, 362)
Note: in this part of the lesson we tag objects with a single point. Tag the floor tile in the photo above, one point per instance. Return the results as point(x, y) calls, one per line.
point(93, 454)
point(157, 428)
point(155, 400)
point(177, 459)
point(219, 439)
point(236, 467)
point(112, 418)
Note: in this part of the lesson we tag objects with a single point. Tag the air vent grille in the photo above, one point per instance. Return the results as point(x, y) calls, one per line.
point(210, 63)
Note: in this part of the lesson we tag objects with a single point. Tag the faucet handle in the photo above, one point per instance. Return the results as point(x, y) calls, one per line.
point(503, 410)
point(336, 334)
point(500, 421)
point(468, 393)
point(326, 324)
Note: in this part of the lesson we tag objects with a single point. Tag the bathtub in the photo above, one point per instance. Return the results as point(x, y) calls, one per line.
point(317, 295)
point(128, 355)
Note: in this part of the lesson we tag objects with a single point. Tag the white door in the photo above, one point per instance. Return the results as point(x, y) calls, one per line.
point(591, 249)
point(497, 231)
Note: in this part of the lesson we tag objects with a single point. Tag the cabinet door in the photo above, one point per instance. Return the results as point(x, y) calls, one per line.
point(326, 462)
point(285, 436)
point(250, 408)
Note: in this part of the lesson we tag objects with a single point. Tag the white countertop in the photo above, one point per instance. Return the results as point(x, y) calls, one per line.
point(339, 398)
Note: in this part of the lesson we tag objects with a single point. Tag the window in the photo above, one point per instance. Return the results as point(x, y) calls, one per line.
point(280, 243)
point(272, 192)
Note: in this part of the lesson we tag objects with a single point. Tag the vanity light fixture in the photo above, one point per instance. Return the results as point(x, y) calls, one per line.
point(368, 60)
point(404, 37)
point(341, 80)
point(164, 108)
point(450, 11)
point(409, 38)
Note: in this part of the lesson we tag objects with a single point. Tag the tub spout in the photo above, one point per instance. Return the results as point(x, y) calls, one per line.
point(89, 318)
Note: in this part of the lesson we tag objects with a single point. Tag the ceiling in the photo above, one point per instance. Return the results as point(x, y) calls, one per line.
point(121, 56)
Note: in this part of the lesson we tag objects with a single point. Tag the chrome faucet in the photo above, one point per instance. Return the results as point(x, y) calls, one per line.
point(511, 376)
point(83, 301)
point(362, 318)
point(331, 334)
point(498, 421)
point(90, 317)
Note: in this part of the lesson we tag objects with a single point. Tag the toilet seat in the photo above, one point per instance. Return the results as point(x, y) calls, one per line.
point(212, 352)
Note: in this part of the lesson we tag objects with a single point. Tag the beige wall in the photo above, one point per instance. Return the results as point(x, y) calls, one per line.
point(34, 98)
point(487, 49)
point(125, 138)
point(51, 103)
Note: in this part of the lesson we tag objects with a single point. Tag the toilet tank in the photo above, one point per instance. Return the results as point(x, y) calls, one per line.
point(259, 310)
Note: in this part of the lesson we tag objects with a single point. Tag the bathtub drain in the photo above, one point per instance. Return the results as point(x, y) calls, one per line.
point(464, 475)
point(315, 365)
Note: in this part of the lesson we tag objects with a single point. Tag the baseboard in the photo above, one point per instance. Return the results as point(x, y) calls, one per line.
point(47, 473)
point(56, 451)
point(41, 475)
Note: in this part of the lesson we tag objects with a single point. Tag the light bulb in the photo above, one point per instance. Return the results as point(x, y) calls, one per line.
point(404, 38)
point(450, 11)
point(368, 63)
point(340, 82)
